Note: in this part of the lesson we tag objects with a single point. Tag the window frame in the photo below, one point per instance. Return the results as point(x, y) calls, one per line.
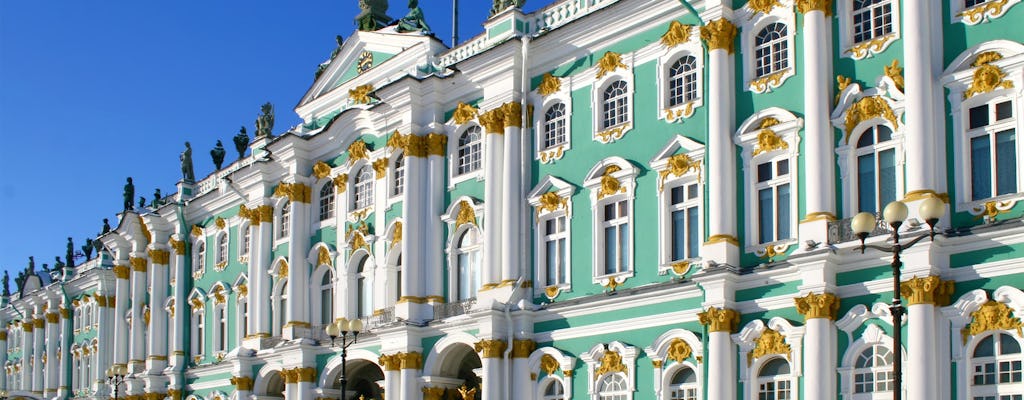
point(750, 24)
point(676, 113)
point(543, 213)
point(363, 181)
point(997, 388)
point(678, 146)
point(871, 47)
point(959, 13)
point(626, 177)
point(199, 255)
point(454, 148)
point(362, 282)
point(602, 134)
point(221, 252)
point(244, 241)
point(551, 154)
point(848, 155)
point(593, 359)
point(282, 221)
point(396, 176)
point(747, 138)
point(790, 379)
point(991, 130)
point(457, 250)
point(326, 210)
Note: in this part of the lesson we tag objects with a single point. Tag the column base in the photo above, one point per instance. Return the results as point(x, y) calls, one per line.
point(415, 309)
point(814, 227)
point(295, 330)
point(722, 249)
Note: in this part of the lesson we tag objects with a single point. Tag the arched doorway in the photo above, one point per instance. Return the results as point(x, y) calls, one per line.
point(461, 363)
point(363, 377)
point(274, 388)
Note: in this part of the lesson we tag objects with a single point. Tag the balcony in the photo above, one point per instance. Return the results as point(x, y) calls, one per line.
point(840, 231)
point(447, 310)
point(383, 318)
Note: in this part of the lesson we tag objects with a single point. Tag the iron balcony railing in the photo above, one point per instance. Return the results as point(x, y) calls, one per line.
point(840, 231)
point(446, 310)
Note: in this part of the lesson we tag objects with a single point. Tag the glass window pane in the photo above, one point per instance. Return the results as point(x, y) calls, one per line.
point(978, 116)
point(765, 217)
point(1006, 162)
point(624, 253)
point(1004, 110)
point(679, 244)
point(692, 235)
point(677, 195)
point(764, 172)
point(784, 218)
point(866, 183)
point(782, 168)
point(981, 168)
point(886, 176)
point(610, 250)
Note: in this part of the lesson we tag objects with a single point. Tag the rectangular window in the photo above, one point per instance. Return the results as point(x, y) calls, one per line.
point(773, 201)
point(684, 227)
point(555, 251)
point(616, 237)
point(993, 150)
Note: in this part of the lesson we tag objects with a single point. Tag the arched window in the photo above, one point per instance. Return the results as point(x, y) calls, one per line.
point(199, 263)
point(683, 385)
point(364, 288)
point(398, 187)
point(470, 157)
point(326, 298)
point(243, 250)
point(773, 381)
point(770, 50)
point(222, 248)
point(876, 169)
point(996, 371)
point(615, 107)
point(613, 387)
point(363, 195)
point(873, 371)
point(199, 333)
point(222, 328)
point(398, 279)
point(327, 201)
point(554, 126)
point(286, 219)
point(682, 78)
point(468, 258)
point(871, 19)
point(242, 303)
point(554, 390)
point(281, 307)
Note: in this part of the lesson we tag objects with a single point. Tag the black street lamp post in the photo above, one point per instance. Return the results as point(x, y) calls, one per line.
point(115, 377)
point(895, 213)
point(342, 328)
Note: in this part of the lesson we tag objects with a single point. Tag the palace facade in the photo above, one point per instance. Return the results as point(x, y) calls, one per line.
point(603, 199)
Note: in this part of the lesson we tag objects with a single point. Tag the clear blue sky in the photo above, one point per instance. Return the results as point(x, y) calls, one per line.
point(94, 91)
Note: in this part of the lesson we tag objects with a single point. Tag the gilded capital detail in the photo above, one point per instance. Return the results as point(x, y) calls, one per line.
point(825, 305)
point(178, 246)
point(296, 192)
point(521, 348)
point(161, 257)
point(491, 348)
point(769, 343)
point(410, 360)
point(121, 271)
point(242, 383)
point(390, 362)
point(415, 146)
point(720, 319)
point(719, 34)
point(806, 6)
point(138, 264)
point(436, 144)
point(927, 290)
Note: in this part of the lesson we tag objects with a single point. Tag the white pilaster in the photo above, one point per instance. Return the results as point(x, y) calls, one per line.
point(37, 350)
point(259, 280)
point(52, 376)
point(64, 380)
point(137, 349)
point(26, 352)
point(494, 150)
point(512, 198)
point(298, 268)
point(818, 136)
point(177, 354)
point(921, 370)
point(121, 300)
point(433, 275)
point(493, 383)
point(721, 358)
point(411, 300)
point(919, 79)
point(157, 346)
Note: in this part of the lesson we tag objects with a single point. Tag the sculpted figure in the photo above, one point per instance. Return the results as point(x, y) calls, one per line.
point(373, 15)
point(57, 265)
point(187, 174)
point(7, 284)
point(129, 195)
point(70, 254)
point(241, 142)
point(502, 5)
point(106, 222)
point(265, 121)
point(157, 198)
point(142, 202)
point(97, 245)
point(413, 21)
point(218, 155)
point(87, 249)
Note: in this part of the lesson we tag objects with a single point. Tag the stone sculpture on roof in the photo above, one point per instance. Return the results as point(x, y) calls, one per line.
point(373, 15)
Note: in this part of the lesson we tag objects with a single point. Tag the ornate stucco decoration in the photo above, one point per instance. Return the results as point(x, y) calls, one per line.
point(768, 82)
point(769, 343)
point(864, 49)
point(824, 305)
point(390, 362)
point(253, 215)
point(549, 365)
point(242, 289)
point(806, 6)
point(552, 154)
point(551, 201)
point(679, 350)
point(323, 257)
point(987, 10)
point(178, 246)
point(340, 182)
point(360, 94)
point(927, 290)
point(197, 231)
point(432, 393)
point(295, 191)
point(841, 83)
point(609, 62)
point(679, 113)
point(219, 297)
point(611, 362)
point(767, 139)
point(467, 393)
point(197, 304)
point(678, 33)
point(220, 223)
point(380, 168)
point(410, 360)
point(680, 268)
point(612, 134)
point(493, 121)
point(466, 214)
point(771, 251)
point(551, 292)
point(145, 231)
point(763, 6)
point(991, 209)
point(987, 77)
point(358, 151)
point(436, 144)
point(396, 141)
point(992, 316)
point(865, 109)
point(321, 170)
point(678, 165)
point(719, 34)
point(609, 184)
point(719, 319)
point(242, 383)
point(522, 348)
point(490, 348)
point(282, 270)
point(358, 241)
point(464, 113)
point(159, 257)
point(396, 237)
point(895, 72)
point(549, 84)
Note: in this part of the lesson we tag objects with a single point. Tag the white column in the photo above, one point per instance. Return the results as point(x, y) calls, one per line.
point(410, 364)
point(494, 150)
point(492, 352)
point(259, 280)
point(512, 198)
point(137, 349)
point(298, 268)
point(819, 310)
point(410, 302)
point(104, 332)
point(720, 323)
point(4, 384)
point(64, 379)
point(433, 275)
point(919, 79)
point(157, 359)
point(38, 327)
point(522, 384)
point(121, 300)
point(178, 358)
point(921, 371)
point(52, 345)
point(818, 136)
point(27, 341)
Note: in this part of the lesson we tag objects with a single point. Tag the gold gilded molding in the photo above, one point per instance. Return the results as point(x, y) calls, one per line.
point(512, 114)
point(466, 215)
point(218, 295)
point(679, 350)
point(719, 319)
point(609, 62)
point(991, 209)
point(824, 305)
point(160, 256)
point(609, 184)
point(895, 72)
point(549, 365)
point(842, 82)
point(323, 257)
point(521, 348)
point(806, 6)
point(197, 304)
point(412, 299)
point(390, 362)
point(770, 342)
point(679, 112)
point(436, 144)
point(197, 230)
point(306, 374)
point(415, 146)
point(138, 264)
point(65, 313)
point(358, 151)
point(340, 182)
point(611, 361)
point(763, 6)
point(547, 156)
point(250, 214)
point(927, 290)
point(145, 230)
point(242, 289)
point(52, 318)
point(154, 396)
point(977, 13)
point(432, 393)
point(767, 82)
point(282, 270)
point(612, 134)
point(678, 33)
point(464, 113)
point(549, 84)
point(551, 201)
point(987, 77)
point(321, 170)
point(380, 167)
point(295, 191)
point(992, 316)
point(121, 271)
point(722, 238)
point(657, 364)
point(220, 223)
point(719, 34)
point(178, 246)
point(678, 165)
point(410, 360)
point(817, 216)
point(396, 141)
point(358, 242)
point(493, 121)
point(865, 109)
point(551, 292)
point(38, 323)
point(360, 94)
point(680, 267)
point(467, 393)
point(101, 301)
point(396, 237)
point(490, 348)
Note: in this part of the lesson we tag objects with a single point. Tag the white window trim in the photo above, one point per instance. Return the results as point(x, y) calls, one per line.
point(453, 153)
point(318, 223)
point(279, 223)
point(872, 336)
point(565, 191)
point(353, 276)
point(449, 217)
point(868, 49)
point(747, 340)
point(564, 96)
point(453, 262)
point(279, 316)
point(999, 388)
point(617, 132)
point(980, 13)
point(565, 363)
point(392, 173)
point(958, 78)
point(627, 181)
point(242, 251)
point(354, 172)
point(665, 368)
point(747, 137)
point(316, 306)
point(220, 313)
point(959, 315)
point(667, 180)
point(691, 47)
point(750, 24)
point(593, 360)
point(240, 311)
point(391, 281)
point(221, 255)
point(199, 260)
point(198, 317)
point(848, 154)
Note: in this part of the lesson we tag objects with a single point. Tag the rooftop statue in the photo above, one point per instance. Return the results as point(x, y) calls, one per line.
point(413, 21)
point(265, 121)
point(218, 155)
point(157, 198)
point(187, 173)
point(129, 195)
point(320, 68)
point(341, 41)
point(106, 222)
point(98, 245)
point(142, 202)
point(502, 5)
point(7, 284)
point(70, 254)
point(373, 16)
point(241, 142)
point(57, 265)
point(87, 249)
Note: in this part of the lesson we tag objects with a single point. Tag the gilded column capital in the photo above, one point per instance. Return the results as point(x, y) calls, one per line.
point(380, 168)
point(38, 323)
point(390, 362)
point(491, 348)
point(432, 393)
point(825, 305)
point(513, 114)
point(927, 290)
point(65, 313)
point(436, 144)
point(252, 214)
point(3, 335)
point(154, 396)
point(720, 319)
point(174, 394)
point(493, 121)
point(522, 348)
point(306, 374)
point(806, 6)
point(121, 271)
point(266, 214)
point(295, 191)
point(242, 383)
point(27, 326)
point(160, 256)
point(178, 246)
point(416, 146)
point(719, 34)
point(138, 264)
point(101, 300)
point(410, 360)
point(52, 318)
